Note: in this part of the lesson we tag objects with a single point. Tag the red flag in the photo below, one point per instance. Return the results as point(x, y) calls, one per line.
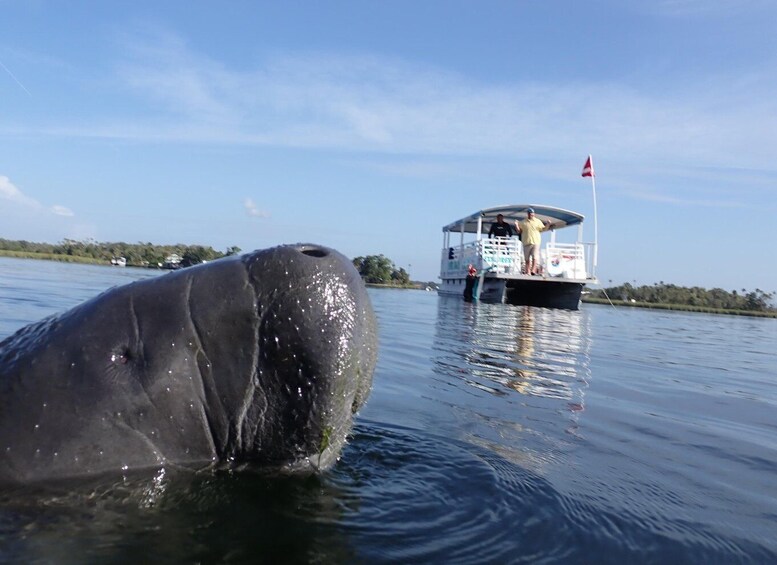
point(588, 168)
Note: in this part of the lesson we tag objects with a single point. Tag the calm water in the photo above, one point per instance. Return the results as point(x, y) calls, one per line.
point(494, 434)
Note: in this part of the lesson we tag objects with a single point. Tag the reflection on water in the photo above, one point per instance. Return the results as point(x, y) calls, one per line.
point(533, 351)
point(175, 518)
point(523, 372)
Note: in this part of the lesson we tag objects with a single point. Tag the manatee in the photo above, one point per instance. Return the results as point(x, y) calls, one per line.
point(258, 361)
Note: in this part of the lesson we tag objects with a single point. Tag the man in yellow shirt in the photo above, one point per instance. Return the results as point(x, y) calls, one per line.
point(529, 230)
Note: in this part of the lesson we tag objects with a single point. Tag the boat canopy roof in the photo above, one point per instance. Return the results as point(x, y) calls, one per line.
point(559, 217)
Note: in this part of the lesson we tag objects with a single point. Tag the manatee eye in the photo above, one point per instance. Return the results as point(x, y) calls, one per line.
point(121, 357)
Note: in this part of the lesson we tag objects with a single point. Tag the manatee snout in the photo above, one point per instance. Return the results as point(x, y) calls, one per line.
point(260, 359)
point(317, 349)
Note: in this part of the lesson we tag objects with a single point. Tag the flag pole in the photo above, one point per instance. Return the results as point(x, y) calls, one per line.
point(588, 171)
point(596, 223)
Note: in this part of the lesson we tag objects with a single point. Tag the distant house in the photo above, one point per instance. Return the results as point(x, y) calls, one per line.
point(172, 262)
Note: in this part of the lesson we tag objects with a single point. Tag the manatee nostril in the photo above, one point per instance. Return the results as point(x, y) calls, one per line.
point(314, 251)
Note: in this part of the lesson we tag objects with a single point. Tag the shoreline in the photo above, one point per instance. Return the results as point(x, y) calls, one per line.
point(680, 308)
point(64, 259)
point(51, 257)
point(400, 287)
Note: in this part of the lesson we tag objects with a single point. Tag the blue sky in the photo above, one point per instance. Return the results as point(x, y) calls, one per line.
point(367, 126)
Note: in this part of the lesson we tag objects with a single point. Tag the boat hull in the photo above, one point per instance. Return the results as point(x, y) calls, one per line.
point(525, 291)
point(544, 293)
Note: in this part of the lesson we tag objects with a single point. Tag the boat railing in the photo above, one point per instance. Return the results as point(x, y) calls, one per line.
point(504, 256)
point(497, 255)
point(567, 260)
point(455, 260)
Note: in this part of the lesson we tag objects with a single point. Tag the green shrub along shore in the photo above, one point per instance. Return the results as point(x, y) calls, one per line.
point(49, 257)
point(376, 270)
point(681, 307)
point(136, 254)
point(694, 299)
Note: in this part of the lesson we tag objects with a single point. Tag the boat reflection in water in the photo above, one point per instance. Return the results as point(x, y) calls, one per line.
point(533, 363)
point(554, 371)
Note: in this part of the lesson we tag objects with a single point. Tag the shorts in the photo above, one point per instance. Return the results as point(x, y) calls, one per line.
point(531, 250)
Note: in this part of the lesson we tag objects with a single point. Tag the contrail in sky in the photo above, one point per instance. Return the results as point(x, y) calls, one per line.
point(16, 79)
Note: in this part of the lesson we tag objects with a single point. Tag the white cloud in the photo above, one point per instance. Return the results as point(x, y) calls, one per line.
point(9, 192)
point(61, 211)
point(372, 104)
point(253, 211)
point(378, 105)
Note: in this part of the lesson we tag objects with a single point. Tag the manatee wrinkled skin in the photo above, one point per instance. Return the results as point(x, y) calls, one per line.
point(259, 360)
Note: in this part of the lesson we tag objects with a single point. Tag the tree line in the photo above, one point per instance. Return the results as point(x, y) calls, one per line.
point(379, 269)
point(717, 298)
point(374, 269)
point(136, 254)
